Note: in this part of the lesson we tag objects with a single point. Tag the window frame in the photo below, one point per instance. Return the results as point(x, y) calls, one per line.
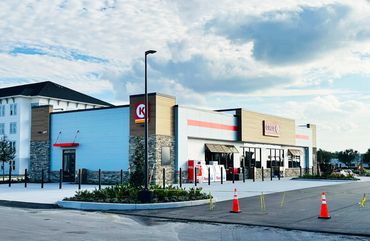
point(2, 129)
point(2, 110)
point(13, 109)
point(12, 124)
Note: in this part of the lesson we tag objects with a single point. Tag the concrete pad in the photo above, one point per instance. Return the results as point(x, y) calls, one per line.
point(50, 194)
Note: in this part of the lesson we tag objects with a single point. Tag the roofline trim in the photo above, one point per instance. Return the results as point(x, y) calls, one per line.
point(91, 109)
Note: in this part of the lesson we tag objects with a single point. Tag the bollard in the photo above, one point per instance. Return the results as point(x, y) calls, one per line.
point(42, 178)
point(279, 171)
point(10, 175)
point(209, 176)
point(318, 169)
point(300, 171)
point(60, 178)
point(25, 178)
point(195, 176)
point(254, 174)
point(164, 178)
point(180, 178)
point(79, 179)
point(263, 174)
point(222, 175)
point(121, 176)
point(99, 176)
point(233, 175)
point(312, 172)
point(243, 174)
point(271, 172)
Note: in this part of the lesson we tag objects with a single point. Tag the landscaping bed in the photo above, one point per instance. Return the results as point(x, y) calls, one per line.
point(127, 193)
point(333, 176)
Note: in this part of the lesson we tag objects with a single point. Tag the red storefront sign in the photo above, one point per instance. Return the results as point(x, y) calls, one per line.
point(271, 129)
point(140, 113)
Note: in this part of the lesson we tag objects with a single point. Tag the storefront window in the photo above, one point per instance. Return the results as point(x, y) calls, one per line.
point(276, 157)
point(294, 161)
point(252, 157)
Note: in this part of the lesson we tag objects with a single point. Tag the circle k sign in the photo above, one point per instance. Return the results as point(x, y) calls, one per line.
point(140, 113)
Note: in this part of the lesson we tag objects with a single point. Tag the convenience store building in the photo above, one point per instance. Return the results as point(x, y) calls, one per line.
point(107, 138)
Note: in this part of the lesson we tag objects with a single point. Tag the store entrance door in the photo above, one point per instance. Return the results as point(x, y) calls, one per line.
point(69, 165)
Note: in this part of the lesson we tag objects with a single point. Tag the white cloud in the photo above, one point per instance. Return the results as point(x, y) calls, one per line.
point(69, 38)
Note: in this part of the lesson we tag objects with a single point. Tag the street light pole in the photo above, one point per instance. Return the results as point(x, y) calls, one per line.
point(146, 119)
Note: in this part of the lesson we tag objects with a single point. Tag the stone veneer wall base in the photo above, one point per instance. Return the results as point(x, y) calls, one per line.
point(39, 160)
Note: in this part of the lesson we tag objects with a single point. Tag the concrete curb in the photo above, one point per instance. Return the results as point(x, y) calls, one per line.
point(326, 180)
point(95, 206)
point(19, 204)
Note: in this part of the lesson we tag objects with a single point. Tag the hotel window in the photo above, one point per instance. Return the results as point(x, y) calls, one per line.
point(13, 109)
point(12, 144)
point(13, 128)
point(2, 110)
point(2, 129)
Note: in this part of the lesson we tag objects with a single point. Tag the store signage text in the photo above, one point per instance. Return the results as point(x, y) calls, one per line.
point(140, 113)
point(271, 129)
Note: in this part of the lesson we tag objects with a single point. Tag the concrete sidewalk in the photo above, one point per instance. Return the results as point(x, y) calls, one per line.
point(51, 193)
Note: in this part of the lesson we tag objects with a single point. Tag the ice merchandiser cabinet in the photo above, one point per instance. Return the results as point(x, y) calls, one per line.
point(202, 171)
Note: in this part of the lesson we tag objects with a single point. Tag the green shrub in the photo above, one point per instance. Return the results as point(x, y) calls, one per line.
point(127, 193)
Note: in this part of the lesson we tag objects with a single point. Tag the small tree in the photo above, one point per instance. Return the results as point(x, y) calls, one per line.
point(137, 165)
point(347, 157)
point(7, 152)
point(324, 158)
point(366, 157)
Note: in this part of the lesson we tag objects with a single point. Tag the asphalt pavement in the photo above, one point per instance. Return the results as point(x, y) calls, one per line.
point(20, 224)
point(300, 210)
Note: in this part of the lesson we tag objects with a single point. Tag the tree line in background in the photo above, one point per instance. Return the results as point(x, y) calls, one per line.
point(349, 157)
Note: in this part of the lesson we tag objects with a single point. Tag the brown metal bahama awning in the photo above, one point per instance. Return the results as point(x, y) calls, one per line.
point(218, 148)
point(295, 152)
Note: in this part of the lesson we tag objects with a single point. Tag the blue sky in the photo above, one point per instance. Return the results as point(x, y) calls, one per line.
point(307, 60)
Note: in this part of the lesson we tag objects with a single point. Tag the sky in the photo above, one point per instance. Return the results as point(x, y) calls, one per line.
point(305, 60)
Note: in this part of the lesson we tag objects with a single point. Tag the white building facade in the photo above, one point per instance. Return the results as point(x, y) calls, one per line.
point(16, 105)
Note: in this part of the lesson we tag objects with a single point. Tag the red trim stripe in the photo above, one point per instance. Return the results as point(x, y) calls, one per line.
point(212, 125)
point(303, 137)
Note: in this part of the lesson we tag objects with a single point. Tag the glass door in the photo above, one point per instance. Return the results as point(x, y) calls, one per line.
point(69, 165)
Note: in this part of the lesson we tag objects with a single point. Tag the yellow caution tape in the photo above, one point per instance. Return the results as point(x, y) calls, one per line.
point(210, 201)
point(262, 202)
point(363, 201)
point(282, 201)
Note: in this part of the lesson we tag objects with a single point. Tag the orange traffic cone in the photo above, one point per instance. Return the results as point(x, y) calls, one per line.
point(235, 207)
point(324, 213)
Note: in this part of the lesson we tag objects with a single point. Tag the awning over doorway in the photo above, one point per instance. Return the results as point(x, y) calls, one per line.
point(218, 148)
point(73, 144)
point(295, 152)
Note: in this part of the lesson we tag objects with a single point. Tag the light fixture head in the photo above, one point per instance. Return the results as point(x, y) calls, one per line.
point(150, 52)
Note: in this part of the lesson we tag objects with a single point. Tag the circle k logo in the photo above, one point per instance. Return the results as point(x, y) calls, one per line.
point(140, 111)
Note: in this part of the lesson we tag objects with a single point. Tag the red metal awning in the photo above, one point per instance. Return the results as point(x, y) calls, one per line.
point(73, 144)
